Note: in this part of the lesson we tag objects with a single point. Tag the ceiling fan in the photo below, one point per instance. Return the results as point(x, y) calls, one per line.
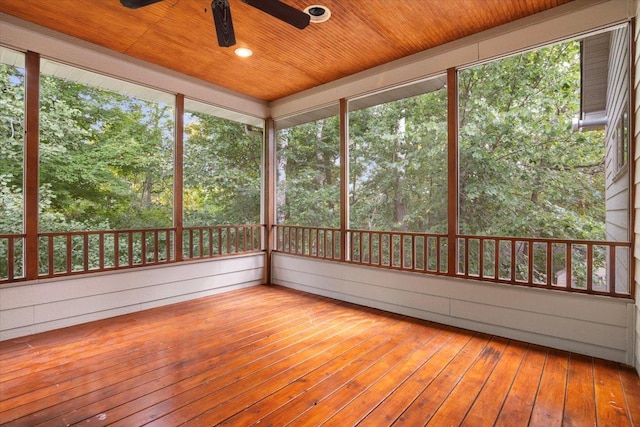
point(222, 15)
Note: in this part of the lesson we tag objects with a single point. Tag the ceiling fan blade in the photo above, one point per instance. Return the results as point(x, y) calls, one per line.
point(135, 4)
point(282, 11)
point(222, 20)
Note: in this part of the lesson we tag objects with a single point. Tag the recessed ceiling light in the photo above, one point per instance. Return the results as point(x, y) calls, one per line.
point(318, 13)
point(243, 52)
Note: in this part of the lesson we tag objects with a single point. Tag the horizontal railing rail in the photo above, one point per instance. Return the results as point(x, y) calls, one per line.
point(12, 257)
point(582, 266)
point(215, 241)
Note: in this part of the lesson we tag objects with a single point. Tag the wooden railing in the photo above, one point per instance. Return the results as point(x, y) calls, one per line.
point(208, 242)
point(308, 241)
point(79, 252)
point(597, 267)
point(12, 257)
point(399, 250)
point(583, 266)
point(76, 252)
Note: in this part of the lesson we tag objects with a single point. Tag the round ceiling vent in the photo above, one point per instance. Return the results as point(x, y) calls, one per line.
point(318, 13)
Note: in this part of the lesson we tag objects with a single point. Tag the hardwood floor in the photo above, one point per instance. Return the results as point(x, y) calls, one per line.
point(278, 357)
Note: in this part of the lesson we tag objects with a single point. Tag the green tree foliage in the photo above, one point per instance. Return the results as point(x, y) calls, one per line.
point(523, 172)
point(222, 172)
point(106, 157)
point(308, 183)
point(398, 165)
point(11, 147)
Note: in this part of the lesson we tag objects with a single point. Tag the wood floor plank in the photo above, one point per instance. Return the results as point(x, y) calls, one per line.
point(224, 403)
point(549, 404)
point(376, 393)
point(126, 401)
point(395, 404)
point(458, 402)
point(518, 405)
point(273, 356)
point(284, 377)
point(157, 357)
point(389, 365)
point(487, 406)
point(611, 406)
point(222, 345)
point(428, 402)
point(631, 387)
point(302, 403)
point(280, 398)
point(209, 382)
point(580, 408)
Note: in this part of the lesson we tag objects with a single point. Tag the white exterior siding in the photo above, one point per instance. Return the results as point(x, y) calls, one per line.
point(616, 178)
point(596, 326)
point(636, 181)
point(56, 303)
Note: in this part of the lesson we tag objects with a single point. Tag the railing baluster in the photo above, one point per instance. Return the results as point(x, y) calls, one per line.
point(156, 247)
point(549, 246)
point(143, 247)
point(569, 276)
point(101, 250)
point(85, 252)
point(530, 262)
point(466, 256)
point(244, 238)
point(325, 238)
point(496, 258)
point(612, 270)
point(589, 267)
point(10, 258)
point(438, 250)
point(514, 260)
point(69, 253)
point(130, 241)
point(481, 257)
point(116, 249)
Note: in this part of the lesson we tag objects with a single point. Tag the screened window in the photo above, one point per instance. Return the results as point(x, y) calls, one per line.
point(12, 128)
point(523, 171)
point(222, 167)
point(542, 148)
point(398, 159)
point(308, 169)
point(12, 107)
point(106, 152)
